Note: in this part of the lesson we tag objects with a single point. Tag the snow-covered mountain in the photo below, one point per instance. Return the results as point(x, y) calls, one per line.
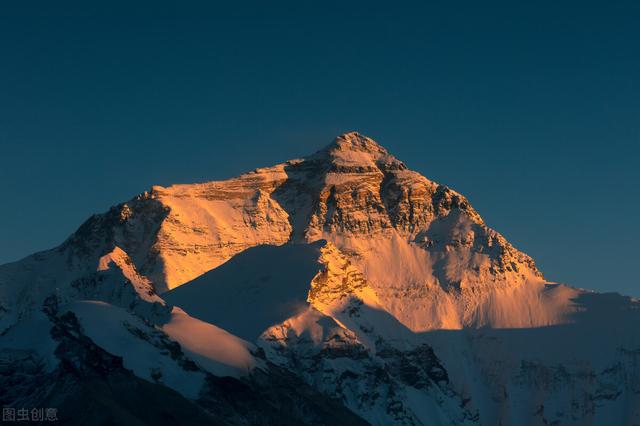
point(340, 288)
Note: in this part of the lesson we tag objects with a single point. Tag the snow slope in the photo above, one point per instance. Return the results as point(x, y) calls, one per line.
point(260, 287)
point(211, 347)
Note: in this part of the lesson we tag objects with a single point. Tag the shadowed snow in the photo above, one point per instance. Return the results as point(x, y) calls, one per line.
point(259, 287)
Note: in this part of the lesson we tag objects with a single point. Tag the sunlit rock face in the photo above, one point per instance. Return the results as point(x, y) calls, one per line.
point(354, 194)
point(417, 242)
point(344, 275)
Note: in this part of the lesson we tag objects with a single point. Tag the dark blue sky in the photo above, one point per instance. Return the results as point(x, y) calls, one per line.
point(532, 111)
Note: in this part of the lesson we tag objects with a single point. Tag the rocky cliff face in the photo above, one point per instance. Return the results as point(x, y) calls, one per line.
point(344, 272)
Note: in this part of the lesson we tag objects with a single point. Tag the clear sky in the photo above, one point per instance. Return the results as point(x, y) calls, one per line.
point(532, 111)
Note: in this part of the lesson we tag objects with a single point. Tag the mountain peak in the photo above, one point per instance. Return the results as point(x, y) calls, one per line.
point(354, 149)
point(354, 141)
